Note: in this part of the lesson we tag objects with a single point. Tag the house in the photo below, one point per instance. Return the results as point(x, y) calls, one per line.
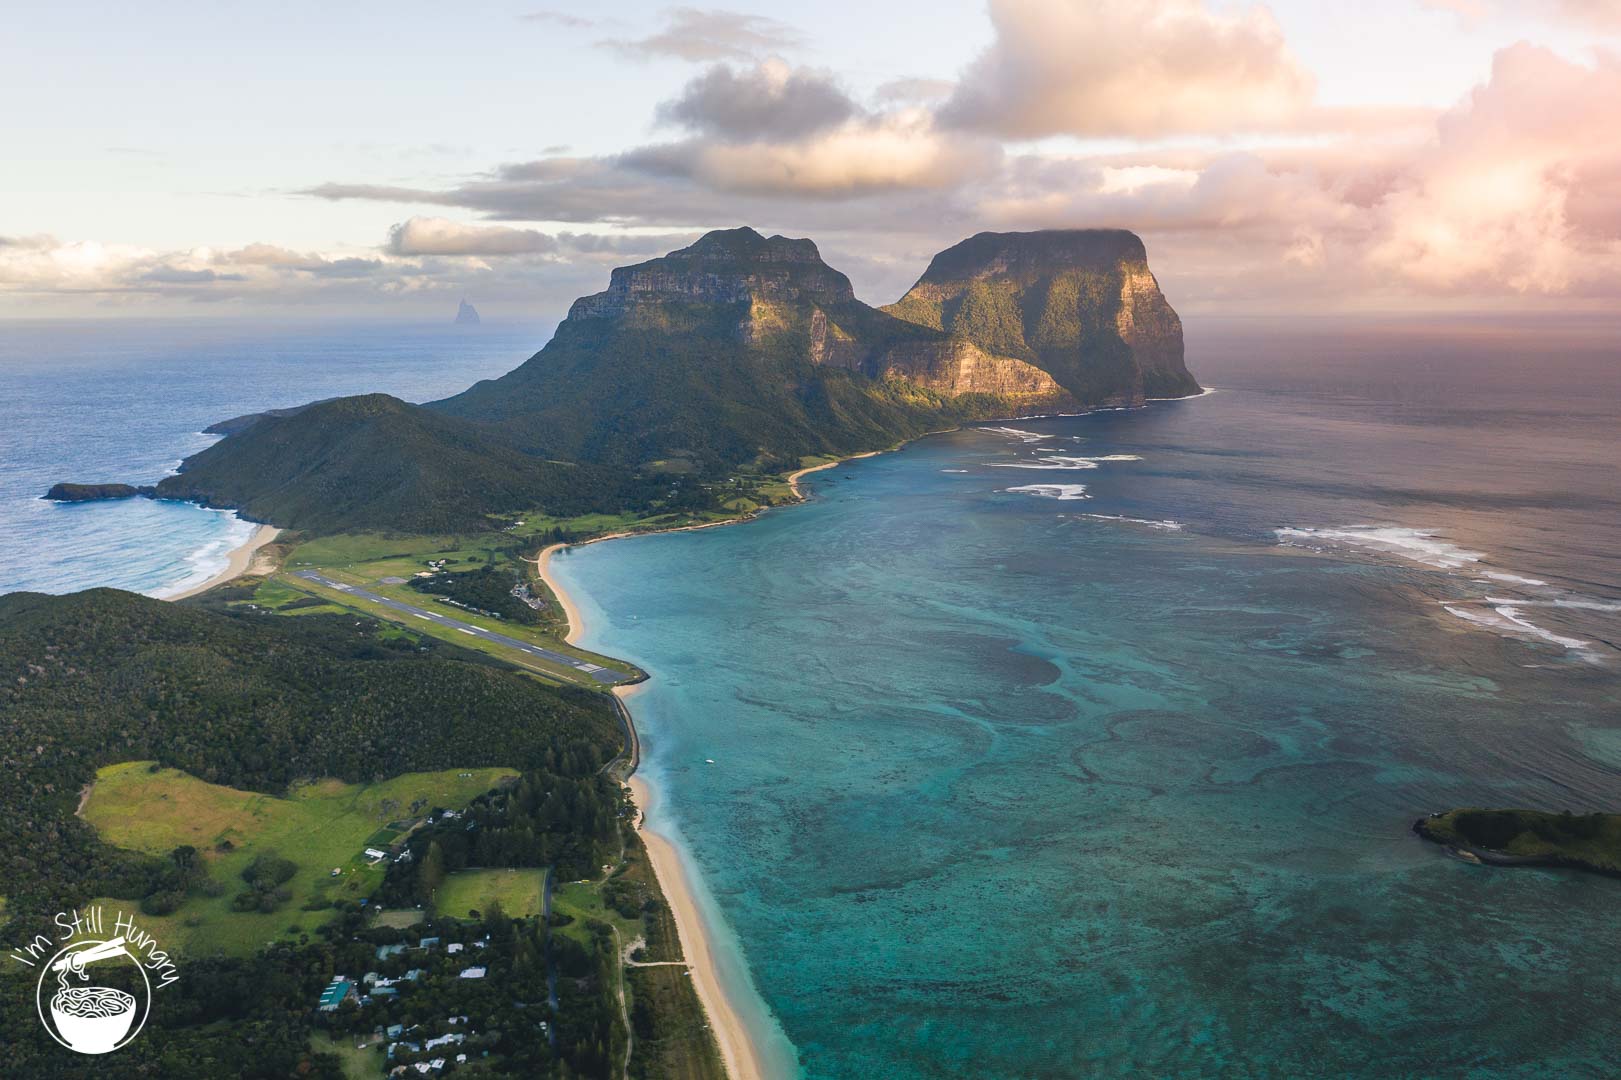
point(386, 951)
point(414, 974)
point(336, 993)
point(444, 1040)
point(375, 855)
point(428, 943)
point(454, 947)
point(472, 973)
point(395, 1031)
point(385, 991)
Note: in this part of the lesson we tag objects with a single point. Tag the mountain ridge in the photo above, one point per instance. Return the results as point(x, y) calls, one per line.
point(739, 351)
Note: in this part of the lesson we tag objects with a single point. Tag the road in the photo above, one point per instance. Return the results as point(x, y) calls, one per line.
point(597, 672)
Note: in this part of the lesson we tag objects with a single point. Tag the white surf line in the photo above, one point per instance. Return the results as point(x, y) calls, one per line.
point(1060, 492)
point(1167, 524)
point(1061, 462)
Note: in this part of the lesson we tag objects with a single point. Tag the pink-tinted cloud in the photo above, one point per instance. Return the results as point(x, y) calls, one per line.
point(1131, 68)
point(1519, 187)
point(1593, 14)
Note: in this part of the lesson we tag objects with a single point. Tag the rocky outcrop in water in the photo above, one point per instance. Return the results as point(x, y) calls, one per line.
point(95, 492)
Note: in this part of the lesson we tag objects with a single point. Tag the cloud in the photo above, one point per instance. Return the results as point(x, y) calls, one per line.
point(1129, 68)
point(901, 153)
point(770, 100)
point(1592, 14)
point(913, 91)
point(1521, 185)
point(440, 236)
point(420, 236)
point(697, 35)
point(174, 275)
point(561, 18)
point(43, 265)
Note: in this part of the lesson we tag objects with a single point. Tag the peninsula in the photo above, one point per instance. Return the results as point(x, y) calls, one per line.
point(732, 359)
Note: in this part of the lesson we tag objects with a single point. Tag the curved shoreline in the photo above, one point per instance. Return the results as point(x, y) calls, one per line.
point(739, 1050)
point(237, 563)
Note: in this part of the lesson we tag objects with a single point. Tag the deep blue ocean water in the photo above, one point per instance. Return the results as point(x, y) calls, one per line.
point(1013, 778)
point(124, 401)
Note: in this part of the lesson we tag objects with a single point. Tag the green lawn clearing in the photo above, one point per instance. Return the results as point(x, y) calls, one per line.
point(319, 826)
point(518, 891)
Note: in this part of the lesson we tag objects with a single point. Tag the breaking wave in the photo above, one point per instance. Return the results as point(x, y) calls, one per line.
point(1061, 492)
point(1167, 525)
point(1062, 462)
point(1504, 615)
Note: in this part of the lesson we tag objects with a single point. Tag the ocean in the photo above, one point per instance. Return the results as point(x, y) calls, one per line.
point(1080, 746)
point(1090, 746)
point(124, 401)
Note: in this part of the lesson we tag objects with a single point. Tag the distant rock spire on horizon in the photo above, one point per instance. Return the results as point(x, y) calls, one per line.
point(467, 314)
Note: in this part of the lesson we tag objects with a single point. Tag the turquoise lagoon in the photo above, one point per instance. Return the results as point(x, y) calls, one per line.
point(1040, 751)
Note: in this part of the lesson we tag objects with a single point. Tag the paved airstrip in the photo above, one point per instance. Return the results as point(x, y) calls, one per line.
point(595, 671)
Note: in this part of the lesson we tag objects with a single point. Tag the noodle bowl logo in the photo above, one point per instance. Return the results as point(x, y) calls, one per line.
point(95, 991)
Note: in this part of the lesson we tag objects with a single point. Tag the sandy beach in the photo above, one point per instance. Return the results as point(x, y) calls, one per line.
point(737, 1047)
point(793, 477)
point(240, 560)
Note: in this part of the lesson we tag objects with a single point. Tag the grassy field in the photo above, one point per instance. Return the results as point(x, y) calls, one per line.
point(462, 894)
point(359, 1063)
point(400, 918)
point(584, 902)
point(319, 826)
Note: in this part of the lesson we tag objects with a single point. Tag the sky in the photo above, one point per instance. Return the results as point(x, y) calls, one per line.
point(1404, 156)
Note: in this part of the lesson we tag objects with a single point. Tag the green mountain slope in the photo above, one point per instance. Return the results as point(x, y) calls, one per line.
point(381, 463)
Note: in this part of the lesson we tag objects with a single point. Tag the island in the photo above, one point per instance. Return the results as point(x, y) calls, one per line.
point(1529, 838)
point(95, 492)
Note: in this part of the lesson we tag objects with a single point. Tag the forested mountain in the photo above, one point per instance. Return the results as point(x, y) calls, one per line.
point(376, 462)
point(737, 351)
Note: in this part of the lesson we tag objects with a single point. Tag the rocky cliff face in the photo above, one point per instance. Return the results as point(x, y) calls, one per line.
point(1080, 305)
point(789, 302)
point(729, 266)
